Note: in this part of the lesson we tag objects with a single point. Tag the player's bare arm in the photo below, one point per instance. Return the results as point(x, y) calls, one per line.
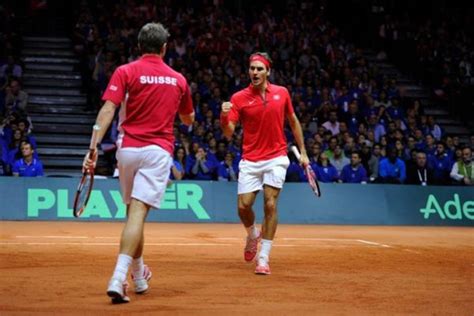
point(228, 127)
point(104, 118)
point(187, 119)
point(298, 134)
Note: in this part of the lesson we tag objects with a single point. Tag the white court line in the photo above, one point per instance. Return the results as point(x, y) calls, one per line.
point(55, 237)
point(367, 242)
point(108, 244)
point(373, 243)
point(322, 239)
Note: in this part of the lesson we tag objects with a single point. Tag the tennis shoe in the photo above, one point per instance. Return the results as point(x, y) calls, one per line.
point(117, 290)
point(141, 284)
point(251, 246)
point(262, 268)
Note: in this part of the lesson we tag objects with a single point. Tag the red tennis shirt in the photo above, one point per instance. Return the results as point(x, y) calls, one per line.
point(153, 94)
point(262, 121)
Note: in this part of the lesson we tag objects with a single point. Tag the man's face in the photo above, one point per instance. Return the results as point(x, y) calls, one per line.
point(421, 160)
point(333, 117)
point(377, 150)
point(316, 149)
point(258, 73)
point(355, 160)
point(466, 155)
point(440, 149)
point(333, 143)
point(15, 87)
point(26, 150)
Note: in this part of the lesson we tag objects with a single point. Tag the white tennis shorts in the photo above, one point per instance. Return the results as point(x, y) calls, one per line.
point(144, 173)
point(253, 175)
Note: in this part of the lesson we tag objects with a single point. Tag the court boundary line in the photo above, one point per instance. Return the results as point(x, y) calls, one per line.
point(57, 237)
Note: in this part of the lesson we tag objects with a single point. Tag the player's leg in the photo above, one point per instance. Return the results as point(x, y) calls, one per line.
point(273, 180)
point(245, 204)
point(270, 220)
point(130, 243)
point(250, 182)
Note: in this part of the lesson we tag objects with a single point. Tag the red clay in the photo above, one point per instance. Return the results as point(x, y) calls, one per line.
point(199, 269)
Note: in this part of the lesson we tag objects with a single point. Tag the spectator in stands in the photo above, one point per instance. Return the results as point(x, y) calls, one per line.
point(314, 152)
point(332, 124)
point(392, 169)
point(355, 171)
point(434, 128)
point(441, 165)
point(376, 127)
point(227, 170)
point(419, 173)
point(463, 169)
point(16, 99)
point(10, 70)
point(332, 147)
point(179, 164)
point(3, 157)
point(370, 160)
point(200, 167)
point(27, 166)
point(325, 172)
point(339, 161)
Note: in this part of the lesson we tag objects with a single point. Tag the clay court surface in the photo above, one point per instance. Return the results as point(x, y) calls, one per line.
point(64, 267)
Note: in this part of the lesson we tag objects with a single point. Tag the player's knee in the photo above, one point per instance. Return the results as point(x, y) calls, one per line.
point(244, 207)
point(270, 205)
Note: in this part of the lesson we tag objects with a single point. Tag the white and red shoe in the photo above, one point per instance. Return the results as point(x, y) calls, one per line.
point(251, 246)
point(117, 290)
point(141, 284)
point(262, 268)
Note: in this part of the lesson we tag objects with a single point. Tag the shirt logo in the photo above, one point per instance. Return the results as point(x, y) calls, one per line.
point(276, 97)
point(113, 88)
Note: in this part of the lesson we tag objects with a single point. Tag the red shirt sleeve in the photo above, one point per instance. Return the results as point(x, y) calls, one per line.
point(234, 115)
point(288, 105)
point(117, 87)
point(186, 104)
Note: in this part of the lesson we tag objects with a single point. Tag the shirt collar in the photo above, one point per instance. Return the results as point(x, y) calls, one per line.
point(152, 58)
point(268, 89)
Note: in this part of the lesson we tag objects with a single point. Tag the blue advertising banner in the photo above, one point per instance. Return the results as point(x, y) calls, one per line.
point(201, 201)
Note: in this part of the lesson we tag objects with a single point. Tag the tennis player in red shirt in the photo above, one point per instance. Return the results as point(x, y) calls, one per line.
point(149, 94)
point(261, 108)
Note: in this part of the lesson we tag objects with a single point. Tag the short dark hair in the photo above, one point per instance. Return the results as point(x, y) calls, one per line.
point(152, 37)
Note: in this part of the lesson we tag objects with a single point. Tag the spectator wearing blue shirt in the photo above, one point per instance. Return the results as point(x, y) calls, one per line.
point(28, 166)
point(227, 171)
point(376, 127)
point(325, 172)
point(441, 165)
point(3, 157)
point(354, 172)
point(392, 169)
point(178, 170)
point(200, 167)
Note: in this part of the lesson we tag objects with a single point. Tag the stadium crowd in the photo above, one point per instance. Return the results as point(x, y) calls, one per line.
point(17, 144)
point(358, 127)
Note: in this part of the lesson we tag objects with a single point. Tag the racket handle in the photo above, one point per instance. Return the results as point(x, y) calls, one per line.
point(93, 144)
point(295, 151)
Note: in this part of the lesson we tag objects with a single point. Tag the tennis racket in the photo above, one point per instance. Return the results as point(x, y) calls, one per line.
point(312, 180)
point(84, 188)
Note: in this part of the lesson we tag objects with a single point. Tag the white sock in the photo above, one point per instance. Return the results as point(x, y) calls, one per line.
point(252, 231)
point(265, 247)
point(138, 268)
point(121, 269)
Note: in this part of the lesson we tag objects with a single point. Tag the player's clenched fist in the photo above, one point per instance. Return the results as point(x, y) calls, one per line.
point(226, 106)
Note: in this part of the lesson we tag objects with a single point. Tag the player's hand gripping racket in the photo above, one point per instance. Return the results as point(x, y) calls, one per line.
point(312, 180)
point(84, 188)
